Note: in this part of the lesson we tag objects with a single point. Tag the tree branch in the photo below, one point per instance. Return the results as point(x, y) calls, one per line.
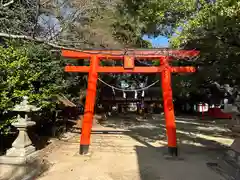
point(8, 3)
point(39, 40)
point(36, 18)
point(224, 88)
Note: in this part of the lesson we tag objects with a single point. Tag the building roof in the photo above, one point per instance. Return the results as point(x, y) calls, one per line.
point(65, 101)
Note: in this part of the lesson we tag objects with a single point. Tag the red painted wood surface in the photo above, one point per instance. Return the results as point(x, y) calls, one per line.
point(138, 69)
point(114, 69)
point(119, 54)
point(90, 101)
point(168, 104)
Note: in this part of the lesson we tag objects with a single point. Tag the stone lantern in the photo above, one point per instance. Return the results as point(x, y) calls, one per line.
point(22, 149)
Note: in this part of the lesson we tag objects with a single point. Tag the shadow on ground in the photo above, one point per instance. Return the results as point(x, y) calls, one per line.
point(189, 130)
point(208, 138)
point(154, 166)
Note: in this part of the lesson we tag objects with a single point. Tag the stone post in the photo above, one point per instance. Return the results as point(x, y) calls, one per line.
point(22, 147)
point(21, 160)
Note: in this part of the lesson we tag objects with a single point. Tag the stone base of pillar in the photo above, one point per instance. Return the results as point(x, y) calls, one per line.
point(10, 159)
point(25, 167)
point(20, 152)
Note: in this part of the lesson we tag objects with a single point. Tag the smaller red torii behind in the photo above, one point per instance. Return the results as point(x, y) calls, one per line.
point(128, 57)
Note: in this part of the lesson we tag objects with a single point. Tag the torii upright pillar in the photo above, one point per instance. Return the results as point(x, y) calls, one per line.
point(168, 107)
point(89, 105)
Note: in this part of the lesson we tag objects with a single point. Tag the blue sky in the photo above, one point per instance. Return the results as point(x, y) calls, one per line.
point(159, 41)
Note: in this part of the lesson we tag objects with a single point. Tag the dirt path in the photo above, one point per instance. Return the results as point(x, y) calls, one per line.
point(136, 152)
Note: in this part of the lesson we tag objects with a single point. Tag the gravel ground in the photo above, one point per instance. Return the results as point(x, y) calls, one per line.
point(130, 148)
point(124, 148)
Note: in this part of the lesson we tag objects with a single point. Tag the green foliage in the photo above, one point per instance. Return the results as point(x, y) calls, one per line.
point(159, 17)
point(5, 126)
point(31, 70)
point(209, 26)
point(214, 30)
point(18, 17)
point(16, 77)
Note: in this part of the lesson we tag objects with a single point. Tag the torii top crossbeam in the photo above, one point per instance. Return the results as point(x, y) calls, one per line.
point(128, 56)
point(147, 54)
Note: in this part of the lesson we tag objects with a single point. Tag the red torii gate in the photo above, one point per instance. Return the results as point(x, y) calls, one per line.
point(128, 58)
